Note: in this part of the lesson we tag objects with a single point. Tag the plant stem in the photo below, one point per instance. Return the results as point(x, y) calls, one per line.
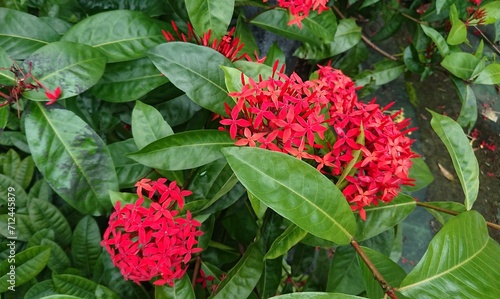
point(196, 270)
point(451, 212)
point(376, 274)
point(366, 39)
point(487, 39)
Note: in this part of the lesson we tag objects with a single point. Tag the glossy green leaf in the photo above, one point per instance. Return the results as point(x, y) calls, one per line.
point(348, 34)
point(215, 178)
point(243, 277)
point(21, 33)
point(85, 245)
point(462, 155)
point(468, 112)
point(121, 35)
point(72, 67)
point(148, 125)
point(438, 39)
point(182, 289)
point(390, 27)
point(28, 264)
point(78, 286)
point(245, 34)
point(443, 4)
point(492, 10)
point(421, 173)
point(254, 70)
point(59, 25)
point(58, 261)
point(124, 198)
point(24, 230)
point(258, 206)
point(392, 273)
point(36, 239)
point(195, 70)
point(184, 150)
point(45, 215)
point(128, 81)
point(178, 110)
point(490, 75)
point(42, 289)
point(18, 192)
point(460, 64)
point(458, 33)
point(468, 269)
point(212, 15)
point(385, 72)
point(291, 236)
point(317, 295)
point(6, 76)
point(344, 275)
point(41, 190)
point(72, 157)
point(323, 25)
point(58, 296)
point(295, 190)
point(233, 78)
point(275, 54)
point(384, 216)
point(128, 171)
point(443, 217)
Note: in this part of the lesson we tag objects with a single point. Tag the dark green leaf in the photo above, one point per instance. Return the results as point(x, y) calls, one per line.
point(390, 28)
point(462, 155)
point(195, 70)
point(384, 216)
point(21, 34)
point(460, 64)
point(148, 125)
point(45, 215)
point(443, 4)
point(412, 60)
point(72, 67)
point(128, 171)
point(323, 25)
point(23, 229)
point(37, 237)
point(78, 286)
point(292, 188)
point(182, 289)
point(291, 236)
point(4, 116)
point(490, 75)
point(179, 110)
point(72, 157)
point(468, 113)
point(468, 269)
point(245, 34)
point(85, 245)
point(243, 277)
point(421, 173)
point(121, 35)
point(275, 54)
point(41, 290)
point(184, 150)
point(345, 273)
point(128, 81)
point(317, 295)
point(6, 76)
point(58, 261)
point(212, 15)
point(437, 39)
point(28, 264)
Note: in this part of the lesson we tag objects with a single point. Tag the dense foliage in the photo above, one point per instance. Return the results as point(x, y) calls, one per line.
point(151, 151)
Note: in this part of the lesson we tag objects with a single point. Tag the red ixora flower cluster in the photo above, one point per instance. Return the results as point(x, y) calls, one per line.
point(299, 9)
point(229, 46)
point(294, 117)
point(154, 242)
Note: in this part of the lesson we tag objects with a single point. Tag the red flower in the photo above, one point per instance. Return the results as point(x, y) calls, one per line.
point(292, 116)
point(147, 243)
point(53, 96)
point(300, 9)
point(203, 279)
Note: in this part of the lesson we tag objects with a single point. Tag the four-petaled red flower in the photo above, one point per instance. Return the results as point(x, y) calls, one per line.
point(53, 95)
point(322, 122)
point(300, 9)
point(155, 242)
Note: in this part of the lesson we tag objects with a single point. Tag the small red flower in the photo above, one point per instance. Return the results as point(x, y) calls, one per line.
point(299, 9)
point(53, 95)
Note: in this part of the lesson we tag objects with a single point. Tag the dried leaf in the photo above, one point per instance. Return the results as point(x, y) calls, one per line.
point(446, 173)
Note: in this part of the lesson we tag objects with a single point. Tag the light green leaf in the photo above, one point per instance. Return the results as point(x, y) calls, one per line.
point(460, 64)
point(232, 77)
point(6, 76)
point(72, 157)
point(437, 38)
point(295, 190)
point(452, 268)
point(195, 70)
point(182, 289)
point(291, 236)
point(254, 70)
point(385, 72)
point(148, 125)
point(128, 81)
point(85, 245)
point(492, 10)
point(21, 33)
point(462, 155)
point(468, 112)
point(490, 75)
point(28, 264)
point(384, 216)
point(212, 15)
point(72, 67)
point(121, 35)
point(184, 150)
point(242, 278)
point(45, 215)
point(78, 286)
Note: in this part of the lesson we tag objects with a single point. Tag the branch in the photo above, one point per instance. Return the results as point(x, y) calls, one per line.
point(366, 39)
point(451, 212)
point(376, 274)
point(196, 270)
point(487, 39)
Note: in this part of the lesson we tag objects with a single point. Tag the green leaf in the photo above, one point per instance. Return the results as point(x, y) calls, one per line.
point(128, 171)
point(128, 81)
point(24, 230)
point(58, 261)
point(4, 116)
point(492, 10)
point(384, 216)
point(6, 76)
point(212, 15)
point(72, 157)
point(121, 35)
point(45, 215)
point(323, 25)
point(37, 237)
point(467, 269)
point(462, 155)
point(468, 112)
point(344, 275)
point(195, 70)
point(390, 28)
point(295, 190)
point(458, 33)
point(28, 264)
point(275, 54)
point(385, 72)
point(182, 289)
point(148, 125)
point(72, 67)
point(85, 245)
point(437, 38)
point(348, 35)
point(212, 180)
point(41, 190)
point(78, 286)
point(291, 236)
point(19, 193)
point(22, 33)
point(178, 110)
point(125, 198)
point(43, 289)
point(392, 273)
point(421, 173)
point(243, 277)
point(254, 70)
point(443, 4)
point(232, 77)
point(490, 75)
point(460, 64)
point(184, 150)
point(316, 295)
point(412, 60)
